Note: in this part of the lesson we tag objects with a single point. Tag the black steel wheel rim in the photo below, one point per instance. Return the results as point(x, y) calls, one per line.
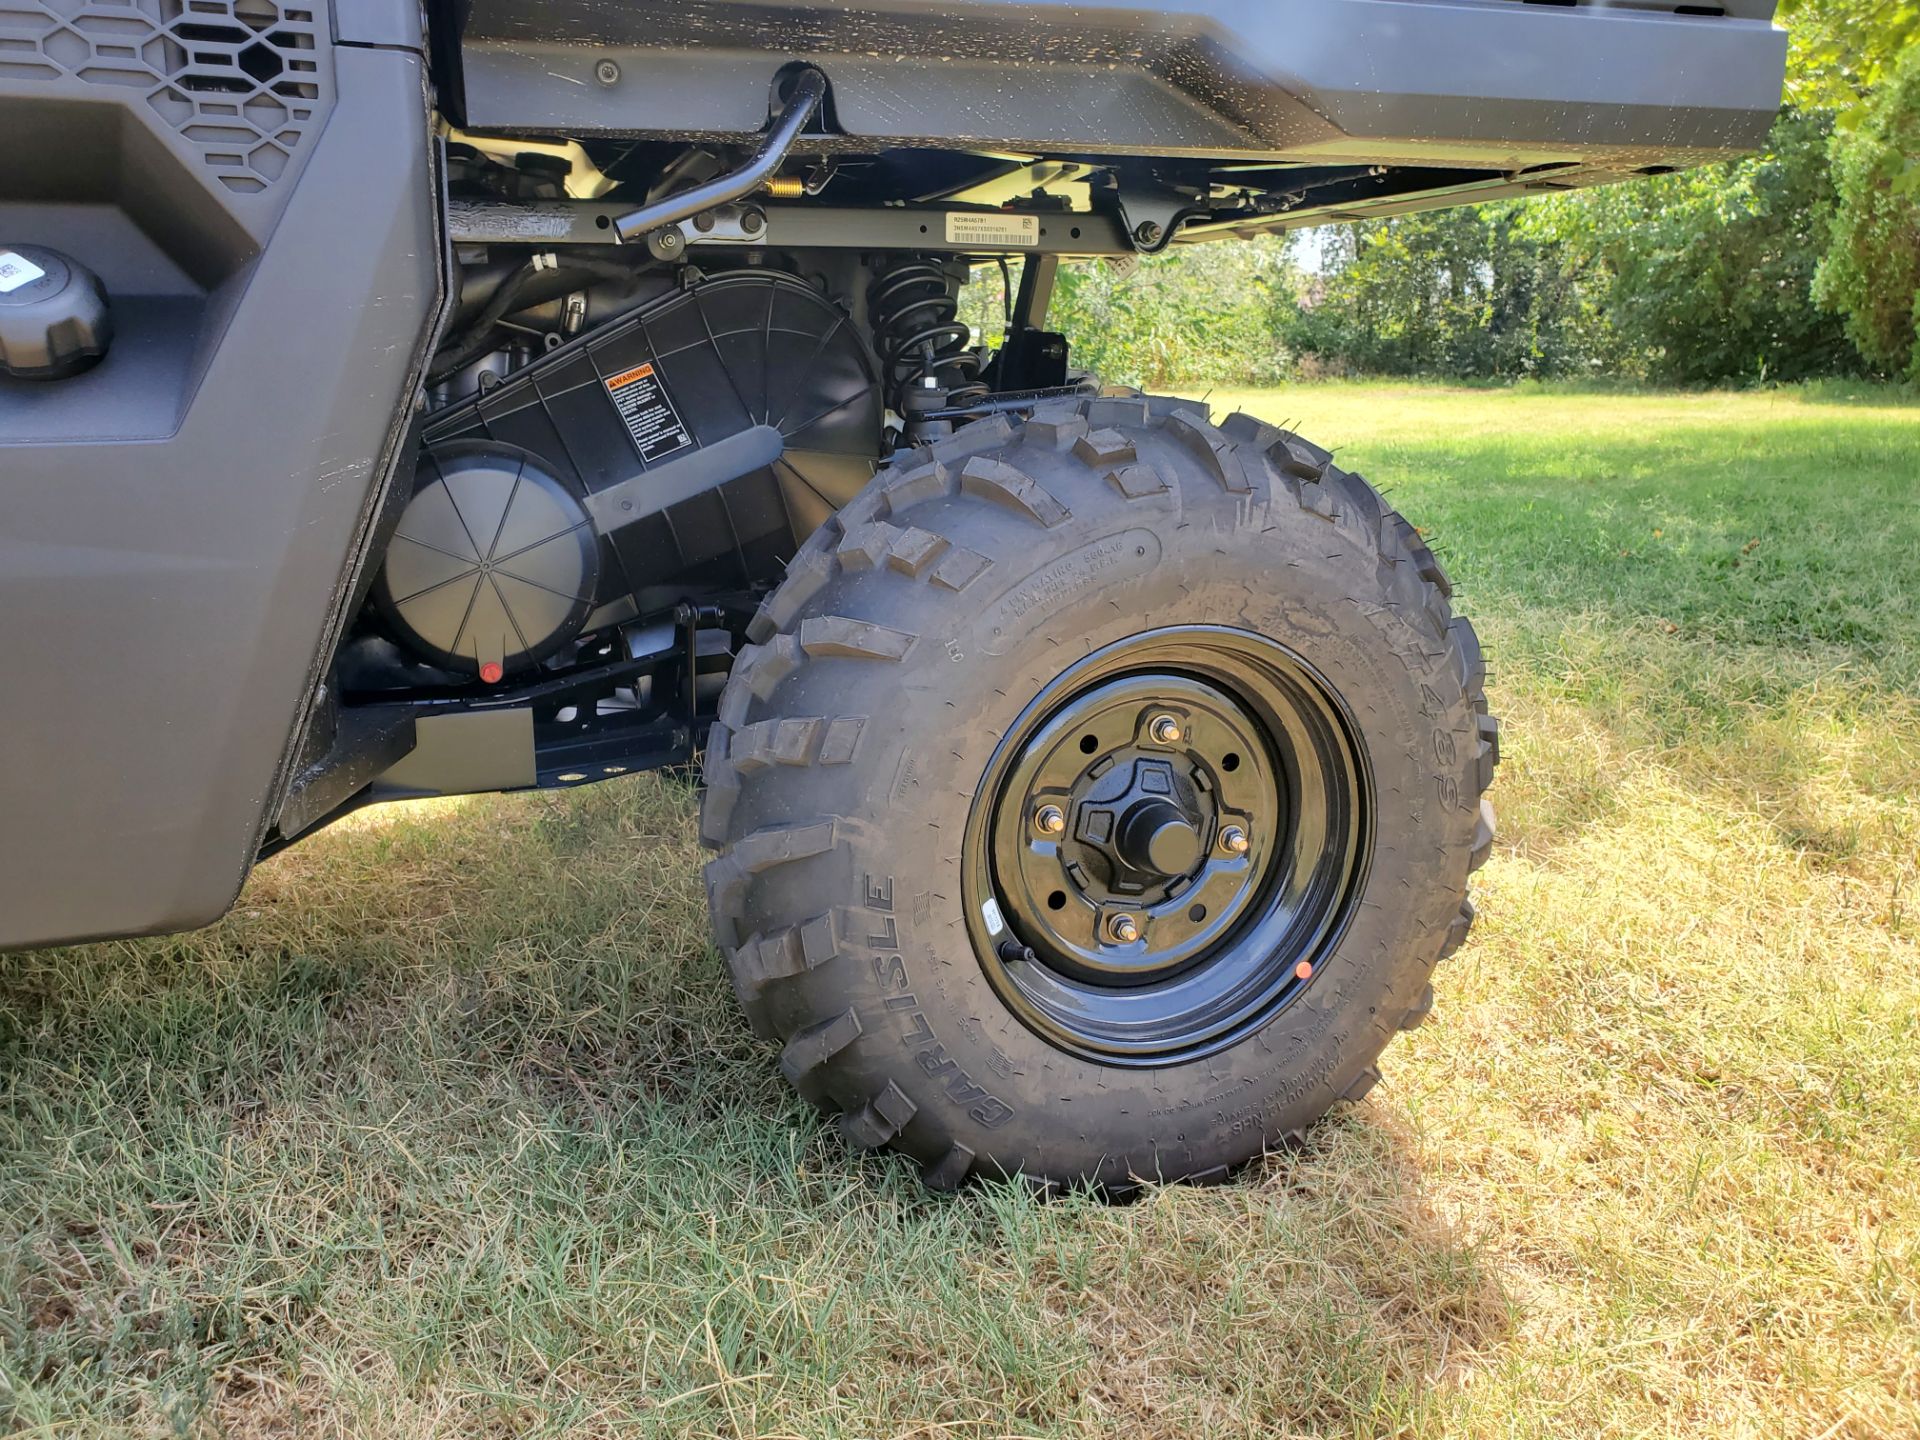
point(1167, 845)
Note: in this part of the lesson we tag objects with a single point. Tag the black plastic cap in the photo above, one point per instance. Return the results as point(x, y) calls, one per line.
point(53, 314)
point(494, 564)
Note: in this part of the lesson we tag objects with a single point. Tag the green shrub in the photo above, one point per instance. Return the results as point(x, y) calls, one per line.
point(1707, 276)
point(1871, 273)
point(1201, 314)
point(1468, 293)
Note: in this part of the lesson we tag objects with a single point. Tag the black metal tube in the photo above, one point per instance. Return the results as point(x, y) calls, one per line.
point(809, 89)
point(457, 355)
point(474, 344)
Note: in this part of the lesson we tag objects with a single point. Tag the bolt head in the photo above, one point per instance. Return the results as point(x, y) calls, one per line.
point(1164, 729)
point(1049, 820)
point(1124, 928)
point(1234, 840)
point(607, 73)
point(1147, 232)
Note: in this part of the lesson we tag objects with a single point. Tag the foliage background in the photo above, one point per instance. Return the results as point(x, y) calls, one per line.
point(1799, 262)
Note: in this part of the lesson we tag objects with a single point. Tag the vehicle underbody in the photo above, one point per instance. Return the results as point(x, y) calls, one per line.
point(396, 409)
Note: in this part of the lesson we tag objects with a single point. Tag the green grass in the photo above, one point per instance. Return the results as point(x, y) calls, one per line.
point(451, 1128)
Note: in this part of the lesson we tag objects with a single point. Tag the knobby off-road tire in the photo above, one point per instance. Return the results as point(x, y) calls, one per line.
point(916, 629)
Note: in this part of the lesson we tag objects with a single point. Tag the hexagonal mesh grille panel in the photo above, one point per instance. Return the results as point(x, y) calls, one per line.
point(243, 81)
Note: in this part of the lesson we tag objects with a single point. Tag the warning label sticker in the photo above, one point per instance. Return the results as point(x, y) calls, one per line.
point(990, 231)
point(648, 411)
point(16, 270)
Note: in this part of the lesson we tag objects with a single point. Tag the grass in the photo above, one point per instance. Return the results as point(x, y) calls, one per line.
point(451, 1128)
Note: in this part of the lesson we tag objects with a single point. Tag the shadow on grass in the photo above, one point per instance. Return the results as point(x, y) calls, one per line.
point(454, 1102)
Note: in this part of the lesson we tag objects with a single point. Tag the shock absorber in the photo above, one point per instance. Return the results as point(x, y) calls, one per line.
point(914, 311)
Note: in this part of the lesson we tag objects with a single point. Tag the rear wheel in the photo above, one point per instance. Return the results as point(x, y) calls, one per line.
point(1098, 795)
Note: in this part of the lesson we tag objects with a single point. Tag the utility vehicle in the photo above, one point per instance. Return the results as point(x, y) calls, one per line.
point(402, 401)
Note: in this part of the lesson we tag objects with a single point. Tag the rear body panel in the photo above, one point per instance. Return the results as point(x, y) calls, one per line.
point(1420, 82)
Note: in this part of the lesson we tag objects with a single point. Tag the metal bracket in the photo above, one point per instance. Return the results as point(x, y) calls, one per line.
point(723, 225)
point(690, 618)
point(1151, 218)
point(1036, 292)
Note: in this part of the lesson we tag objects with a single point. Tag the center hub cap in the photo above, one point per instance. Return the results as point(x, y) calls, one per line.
point(1158, 840)
point(1136, 826)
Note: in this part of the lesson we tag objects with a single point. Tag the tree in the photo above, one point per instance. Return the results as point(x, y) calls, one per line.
point(1468, 292)
point(1840, 50)
point(1871, 273)
point(1198, 313)
point(1708, 275)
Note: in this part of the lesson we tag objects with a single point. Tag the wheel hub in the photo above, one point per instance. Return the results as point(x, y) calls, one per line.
point(1160, 843)
point(1145, 771)
point(1141, 825)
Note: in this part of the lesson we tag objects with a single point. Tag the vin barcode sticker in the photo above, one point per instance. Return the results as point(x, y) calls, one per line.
point(992, 232)
point(16, 270)
point(648, 412)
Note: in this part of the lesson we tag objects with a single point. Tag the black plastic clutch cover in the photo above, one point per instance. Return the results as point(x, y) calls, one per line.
point(627, 408)
point(494, 565)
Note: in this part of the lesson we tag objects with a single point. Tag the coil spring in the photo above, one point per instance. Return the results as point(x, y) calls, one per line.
point(918, 333)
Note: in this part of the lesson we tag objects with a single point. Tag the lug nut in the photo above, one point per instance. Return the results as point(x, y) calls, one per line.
point(1164, 729)
point(1233, 840)
point(1124, 928)
point(1048, 820)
